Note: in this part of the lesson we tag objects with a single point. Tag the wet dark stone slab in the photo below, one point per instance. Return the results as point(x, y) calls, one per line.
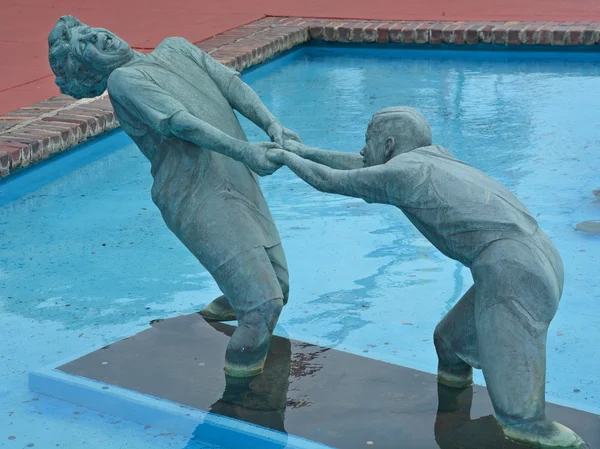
point(332, 397)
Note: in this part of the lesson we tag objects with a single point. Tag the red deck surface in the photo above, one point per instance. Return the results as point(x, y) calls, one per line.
point(26, 78)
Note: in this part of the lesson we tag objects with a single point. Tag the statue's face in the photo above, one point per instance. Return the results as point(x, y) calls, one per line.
point(374, 151)
point(99, 49)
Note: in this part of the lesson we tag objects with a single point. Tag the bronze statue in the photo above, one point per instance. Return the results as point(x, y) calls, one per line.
point(501, 323)
point(177, 104)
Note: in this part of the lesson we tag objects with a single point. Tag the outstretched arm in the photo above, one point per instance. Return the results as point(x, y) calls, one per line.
point(188, 127)
point(164, 114)
point(332, 159)
point(241, 96)
point(371, 184)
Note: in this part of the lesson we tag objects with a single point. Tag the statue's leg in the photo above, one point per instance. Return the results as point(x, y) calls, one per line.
point(517, 291)
point(262, 399)
point(456, 344)
point(221, 309)
point(250, 283)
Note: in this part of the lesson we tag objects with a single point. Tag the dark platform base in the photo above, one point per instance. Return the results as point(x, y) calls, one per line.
point(324, 395)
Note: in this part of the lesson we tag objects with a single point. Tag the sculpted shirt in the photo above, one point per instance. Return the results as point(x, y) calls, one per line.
point(455, 206)
point(213, 203)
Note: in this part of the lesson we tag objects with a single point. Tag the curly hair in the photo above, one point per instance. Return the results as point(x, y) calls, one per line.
point(73, 78)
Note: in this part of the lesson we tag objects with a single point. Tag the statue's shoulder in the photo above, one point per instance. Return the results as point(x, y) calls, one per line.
point(173, 49)
point(125, 82)
point(434, 150)
point(120, 78)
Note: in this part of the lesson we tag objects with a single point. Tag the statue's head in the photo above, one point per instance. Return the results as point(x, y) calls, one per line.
point(393, 131)
point(82, 58)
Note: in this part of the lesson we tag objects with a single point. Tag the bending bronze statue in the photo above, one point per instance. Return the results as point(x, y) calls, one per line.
point(177, 104)
point(500, 325)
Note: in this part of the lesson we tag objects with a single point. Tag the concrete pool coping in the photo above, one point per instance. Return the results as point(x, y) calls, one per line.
point(160, 413)
point(35, 132)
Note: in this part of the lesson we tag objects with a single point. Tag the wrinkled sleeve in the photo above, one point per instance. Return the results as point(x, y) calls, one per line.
point(143, 104)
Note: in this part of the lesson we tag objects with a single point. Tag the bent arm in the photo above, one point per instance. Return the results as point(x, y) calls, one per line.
point(188, 127)
point(240, 96)
point(370, 184)
point(243, 99)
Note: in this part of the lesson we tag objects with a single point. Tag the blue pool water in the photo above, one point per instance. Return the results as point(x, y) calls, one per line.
point(85, 258)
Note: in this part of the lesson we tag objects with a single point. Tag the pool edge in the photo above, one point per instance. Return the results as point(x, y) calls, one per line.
point(35, 132)
point(39, 380)
point(159, 413)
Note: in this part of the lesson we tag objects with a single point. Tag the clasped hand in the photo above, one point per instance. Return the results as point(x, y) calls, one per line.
point(279, 134)
point(256, 152)
point(290, 148)
point(255, 157)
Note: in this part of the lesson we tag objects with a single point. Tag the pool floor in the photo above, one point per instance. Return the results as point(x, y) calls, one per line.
point(86, 260)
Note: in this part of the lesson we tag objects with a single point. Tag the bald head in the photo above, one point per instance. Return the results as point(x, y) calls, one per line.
point(393, 131)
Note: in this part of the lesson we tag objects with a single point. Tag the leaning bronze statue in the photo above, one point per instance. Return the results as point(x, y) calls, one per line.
point(177, 104)
point(501, 323)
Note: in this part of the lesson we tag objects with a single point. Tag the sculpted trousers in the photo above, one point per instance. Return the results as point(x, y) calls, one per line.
point(500, 325)
point(253, 278)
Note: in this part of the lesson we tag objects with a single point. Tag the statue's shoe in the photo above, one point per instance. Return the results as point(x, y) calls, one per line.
point(544, 434)
point(219, 310)
point(249, 344)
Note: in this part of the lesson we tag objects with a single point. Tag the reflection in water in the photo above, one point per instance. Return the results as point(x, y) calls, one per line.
point(454, 412)
point(454, 427)
point(263, 401)
point(259, 400)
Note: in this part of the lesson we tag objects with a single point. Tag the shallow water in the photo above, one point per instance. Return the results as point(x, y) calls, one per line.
point(86, 259)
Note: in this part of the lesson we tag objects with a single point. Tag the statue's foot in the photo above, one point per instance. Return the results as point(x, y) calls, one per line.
point(249, 344)
point(219, 310)
point(453, 378)
point(545, 433)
